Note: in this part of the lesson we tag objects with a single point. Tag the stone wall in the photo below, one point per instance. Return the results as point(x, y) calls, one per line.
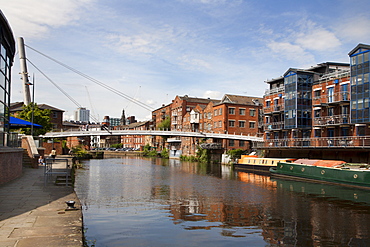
point(11, 160)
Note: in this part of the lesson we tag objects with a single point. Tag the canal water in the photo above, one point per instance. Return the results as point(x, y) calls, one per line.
point(134, 201)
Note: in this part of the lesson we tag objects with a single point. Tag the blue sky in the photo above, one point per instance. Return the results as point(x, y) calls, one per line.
point(153, 50)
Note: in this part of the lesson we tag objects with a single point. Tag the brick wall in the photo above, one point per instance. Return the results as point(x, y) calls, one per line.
point(10, 164)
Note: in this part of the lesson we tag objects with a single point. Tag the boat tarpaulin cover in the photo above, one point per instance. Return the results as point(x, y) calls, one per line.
point(325, 163)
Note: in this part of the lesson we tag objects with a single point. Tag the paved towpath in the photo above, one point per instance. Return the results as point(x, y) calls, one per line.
point(32, 214)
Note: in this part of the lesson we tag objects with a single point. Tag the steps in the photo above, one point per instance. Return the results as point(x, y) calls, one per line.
point(61, 181)
point(27, 160)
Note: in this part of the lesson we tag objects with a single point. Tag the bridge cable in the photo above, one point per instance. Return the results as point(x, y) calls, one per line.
point(59, 88)
point(133, 100)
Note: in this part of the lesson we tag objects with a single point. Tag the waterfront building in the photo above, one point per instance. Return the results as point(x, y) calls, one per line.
point(11, 155)
point(183, 104)
point(7, 52)
point(320, 112)
point(136, 141)
point(360, 95)
point(237, 115)
point(233, 114)
point(158, 116)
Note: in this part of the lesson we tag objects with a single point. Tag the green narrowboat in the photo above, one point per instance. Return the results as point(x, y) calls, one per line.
point(327, 171)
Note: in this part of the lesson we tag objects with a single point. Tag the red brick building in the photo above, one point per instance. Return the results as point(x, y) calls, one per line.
point(180, 106)
point(237, 114)
point(56, 116)
point(234, 114)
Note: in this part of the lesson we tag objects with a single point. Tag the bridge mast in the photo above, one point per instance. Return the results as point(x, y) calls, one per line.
point(24, 73)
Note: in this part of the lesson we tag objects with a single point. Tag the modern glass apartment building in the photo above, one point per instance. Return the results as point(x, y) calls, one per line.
point(7, 52)
point(298, 105)
point(360, 94)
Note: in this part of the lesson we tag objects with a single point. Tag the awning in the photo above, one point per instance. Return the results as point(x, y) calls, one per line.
point(20, 123)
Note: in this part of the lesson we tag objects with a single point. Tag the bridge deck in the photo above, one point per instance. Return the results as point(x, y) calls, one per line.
point(153, 133)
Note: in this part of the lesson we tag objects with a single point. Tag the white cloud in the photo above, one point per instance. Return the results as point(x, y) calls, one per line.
point(313, 37)
point(291, 52)
point(355, 29)
point(194, 63)
point(319, 40)
point(212, 94)
point(131, 45)
point(33, 20)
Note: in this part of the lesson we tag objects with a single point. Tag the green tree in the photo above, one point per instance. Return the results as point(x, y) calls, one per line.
point(235, 153)
point(165, 124)
point(41, 117)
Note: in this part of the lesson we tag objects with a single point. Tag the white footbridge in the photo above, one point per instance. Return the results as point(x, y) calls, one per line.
point(152, 133)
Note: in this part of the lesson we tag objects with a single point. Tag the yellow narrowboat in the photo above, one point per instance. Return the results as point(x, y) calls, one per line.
point(254, 163)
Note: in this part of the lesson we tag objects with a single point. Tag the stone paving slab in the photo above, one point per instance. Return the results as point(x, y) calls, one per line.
point(32, 214)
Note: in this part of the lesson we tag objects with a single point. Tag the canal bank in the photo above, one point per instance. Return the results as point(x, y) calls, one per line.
point(32, 214)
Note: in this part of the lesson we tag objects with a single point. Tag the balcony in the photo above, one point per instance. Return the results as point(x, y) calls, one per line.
point(331, 120)
point(274, 90)
point(338, 97)
point(317, 142)
point(267, 109)
point(278, 108)
point(274, 126)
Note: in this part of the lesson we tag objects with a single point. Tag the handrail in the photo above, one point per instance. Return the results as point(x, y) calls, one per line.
point(318, 142)
point(199, 134)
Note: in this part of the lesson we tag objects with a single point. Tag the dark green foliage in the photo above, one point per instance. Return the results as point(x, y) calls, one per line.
point(80, 152)
point(235, 153)
point(165, 124)
point(202, 156)
point(41, 117)
point(150, 151)
point(119, 145)
point(165, 154)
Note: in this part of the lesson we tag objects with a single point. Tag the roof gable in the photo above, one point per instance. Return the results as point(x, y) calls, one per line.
point(358, 49)
point(240, 100)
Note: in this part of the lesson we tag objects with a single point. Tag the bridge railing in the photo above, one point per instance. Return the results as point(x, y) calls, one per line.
point(198, 134)
point(318, 142)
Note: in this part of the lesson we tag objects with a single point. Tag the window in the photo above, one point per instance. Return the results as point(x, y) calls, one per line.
point(220, 124)
point(242, 111)
point(241, 143)
point(331, 111)
point(241, 124)
point(220, 111)
point(231, 123)
point(268, 103)
point(215, 112)
point(231, 143)
point(55, 114)
point(252, 112)
point(360, 130)
point(252, 125)
point(232, 111)
point(209, 115)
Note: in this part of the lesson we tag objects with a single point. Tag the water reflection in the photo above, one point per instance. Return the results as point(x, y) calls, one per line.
point(154, 202)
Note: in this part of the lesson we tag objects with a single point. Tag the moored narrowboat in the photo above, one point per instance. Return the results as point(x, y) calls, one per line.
point(254, 163)
point(327, 171)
